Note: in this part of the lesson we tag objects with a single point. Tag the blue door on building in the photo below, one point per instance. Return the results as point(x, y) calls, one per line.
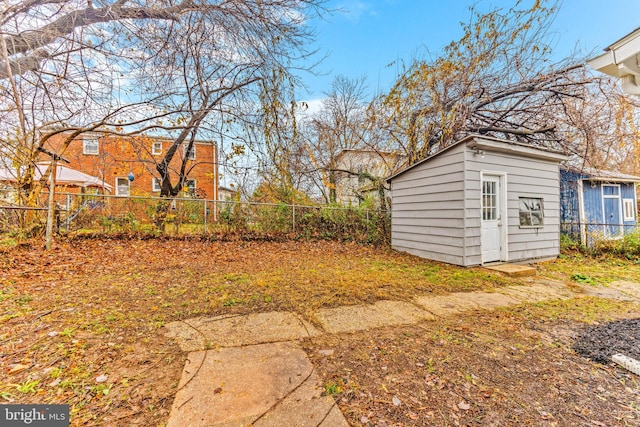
point(611, 210)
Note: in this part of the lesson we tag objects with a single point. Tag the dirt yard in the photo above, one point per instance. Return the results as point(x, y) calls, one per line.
point(83, 325)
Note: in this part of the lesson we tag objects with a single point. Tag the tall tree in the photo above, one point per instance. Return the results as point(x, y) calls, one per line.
point(339, 125)
point(191, 69)
point(497, 79)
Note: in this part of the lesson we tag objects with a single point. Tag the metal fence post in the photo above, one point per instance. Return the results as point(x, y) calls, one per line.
point(52, 207)
point(294, 217)
point(205, 215)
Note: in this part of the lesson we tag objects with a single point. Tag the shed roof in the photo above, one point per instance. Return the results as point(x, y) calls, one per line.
point(488, 143)
point(594, 174)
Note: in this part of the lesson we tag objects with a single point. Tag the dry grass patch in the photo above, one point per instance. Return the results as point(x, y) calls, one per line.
point(596, 271)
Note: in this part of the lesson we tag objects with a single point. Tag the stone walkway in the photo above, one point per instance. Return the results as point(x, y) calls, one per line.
point(250, 371)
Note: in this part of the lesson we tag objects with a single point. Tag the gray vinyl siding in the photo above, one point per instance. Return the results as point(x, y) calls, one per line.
point(436, 206)
point(427, 216)
point(525, 177)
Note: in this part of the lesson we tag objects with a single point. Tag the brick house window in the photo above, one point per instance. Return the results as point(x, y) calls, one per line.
point(190, 187)
point(90, 146)
point(156, 148)
point(191, 154)
point(122, 186)
point(156, 185)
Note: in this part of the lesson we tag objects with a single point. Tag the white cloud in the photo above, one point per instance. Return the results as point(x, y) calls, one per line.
point(353, 10)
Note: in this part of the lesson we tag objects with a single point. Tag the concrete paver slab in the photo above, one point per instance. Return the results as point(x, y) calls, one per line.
point(319, 411)
point(263, 381)
point(629, 288)
point(364, 317)
point(264, 385)
point(489, 300)
point(230, 331)
point(606, 292)
point(445, 305)
point(536, 292)
point(558, 285)
point(513, 270)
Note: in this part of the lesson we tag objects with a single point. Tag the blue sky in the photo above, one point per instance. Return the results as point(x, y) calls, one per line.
point(371, 34)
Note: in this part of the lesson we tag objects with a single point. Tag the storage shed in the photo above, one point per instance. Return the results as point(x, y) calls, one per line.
point(597, 204)
point(478, 201)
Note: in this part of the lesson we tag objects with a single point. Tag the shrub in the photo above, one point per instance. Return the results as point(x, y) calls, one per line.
point(628, 246)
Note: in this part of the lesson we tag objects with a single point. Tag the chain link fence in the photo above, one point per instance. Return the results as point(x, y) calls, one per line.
point(104, 214)
point(594, 235)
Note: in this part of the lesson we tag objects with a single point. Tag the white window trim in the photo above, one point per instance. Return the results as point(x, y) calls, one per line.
point(128, 186)
point(156, 185)
point(85, 140)
point(628, 207)
point(185, 146)
point(619, 231)
point(542, 214)
point(156, 151)
point(611, 196)
point(490, 211)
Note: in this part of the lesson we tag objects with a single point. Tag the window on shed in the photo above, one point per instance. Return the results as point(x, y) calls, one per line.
point(628, 209)
point(489, 201)
point(531, 212)
point(610, 190)
point(90, 145)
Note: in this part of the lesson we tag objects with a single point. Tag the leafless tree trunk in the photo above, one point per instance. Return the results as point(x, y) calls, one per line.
point(340, 125)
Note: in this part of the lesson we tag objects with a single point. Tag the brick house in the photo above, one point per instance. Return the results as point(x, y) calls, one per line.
point(129, 164)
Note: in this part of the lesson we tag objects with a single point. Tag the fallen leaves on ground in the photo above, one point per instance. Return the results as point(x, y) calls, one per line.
point(82, 325)
point(487, 369)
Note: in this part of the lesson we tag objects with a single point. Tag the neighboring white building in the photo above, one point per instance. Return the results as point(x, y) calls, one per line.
point(354, 186)
point(622, 60)
point(478, 201)
point(66, 179)
point(226, 193)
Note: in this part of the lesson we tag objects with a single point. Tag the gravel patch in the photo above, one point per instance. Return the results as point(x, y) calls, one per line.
point(600, 342)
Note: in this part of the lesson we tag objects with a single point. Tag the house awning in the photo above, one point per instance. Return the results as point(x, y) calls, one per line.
point(621, 60)
point(65, 176)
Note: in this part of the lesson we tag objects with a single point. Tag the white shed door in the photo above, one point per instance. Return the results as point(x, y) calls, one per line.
point(491, 232)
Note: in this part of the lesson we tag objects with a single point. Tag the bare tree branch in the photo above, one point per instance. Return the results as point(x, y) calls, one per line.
point(66, 24)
